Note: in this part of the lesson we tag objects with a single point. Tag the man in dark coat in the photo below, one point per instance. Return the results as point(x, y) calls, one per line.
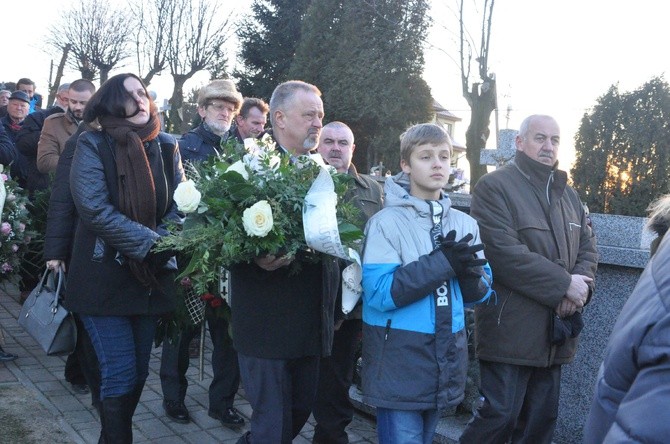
point(543, 257)
point(17, 110)
point(250, 121)
point(282, 319)
point(217, 103)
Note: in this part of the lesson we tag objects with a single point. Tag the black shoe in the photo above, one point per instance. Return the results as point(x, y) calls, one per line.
point(80, 389)
point(228, 417)
point(176, 411)
point(6, 356)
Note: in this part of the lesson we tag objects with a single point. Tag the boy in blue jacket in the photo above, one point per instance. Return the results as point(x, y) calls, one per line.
point(416, 280)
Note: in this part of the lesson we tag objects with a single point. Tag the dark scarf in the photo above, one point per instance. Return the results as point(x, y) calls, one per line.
point(137, 192)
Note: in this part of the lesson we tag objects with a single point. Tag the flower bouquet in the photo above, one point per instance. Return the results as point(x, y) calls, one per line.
point(242, 204)
point(14, 222)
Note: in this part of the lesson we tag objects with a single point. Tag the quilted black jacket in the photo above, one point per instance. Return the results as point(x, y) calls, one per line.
point(100, 282)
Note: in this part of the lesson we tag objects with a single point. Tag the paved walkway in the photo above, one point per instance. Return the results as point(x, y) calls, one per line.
point(41, 377)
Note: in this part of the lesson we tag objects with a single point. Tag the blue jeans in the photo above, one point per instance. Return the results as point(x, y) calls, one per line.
point(406, 426)
point(123, 345)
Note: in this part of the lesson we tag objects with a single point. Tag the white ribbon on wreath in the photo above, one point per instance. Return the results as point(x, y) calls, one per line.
point(319, 217)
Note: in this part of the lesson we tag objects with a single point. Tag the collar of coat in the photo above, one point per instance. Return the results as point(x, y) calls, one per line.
point(540, 174)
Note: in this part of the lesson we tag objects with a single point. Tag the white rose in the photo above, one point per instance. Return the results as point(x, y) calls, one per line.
point(187, 197)
point(240, 168)
point(257, 219)
point(251, 146)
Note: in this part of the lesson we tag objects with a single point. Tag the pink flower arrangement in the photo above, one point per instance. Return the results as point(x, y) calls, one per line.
point(5, 228)
point(14, 230)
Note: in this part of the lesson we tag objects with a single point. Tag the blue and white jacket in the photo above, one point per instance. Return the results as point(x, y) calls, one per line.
point(414, 339)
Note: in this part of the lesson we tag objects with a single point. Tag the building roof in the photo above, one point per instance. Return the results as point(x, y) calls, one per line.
point(442, 112)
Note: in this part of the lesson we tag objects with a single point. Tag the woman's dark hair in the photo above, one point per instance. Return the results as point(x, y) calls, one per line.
point(111, 99)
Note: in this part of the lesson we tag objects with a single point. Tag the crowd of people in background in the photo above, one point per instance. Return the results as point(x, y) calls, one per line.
point(524, 259)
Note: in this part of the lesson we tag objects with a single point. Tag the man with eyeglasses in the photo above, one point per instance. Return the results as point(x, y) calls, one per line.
point(217, 104)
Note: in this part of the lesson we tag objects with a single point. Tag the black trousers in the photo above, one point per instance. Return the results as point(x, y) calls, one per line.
point(281, 393)
point(333, 410)
point(520, 404)
point(175, 362)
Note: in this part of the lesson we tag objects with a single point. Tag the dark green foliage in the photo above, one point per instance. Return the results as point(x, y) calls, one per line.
point(367, 59)
point(622, 148)
point(268, 40)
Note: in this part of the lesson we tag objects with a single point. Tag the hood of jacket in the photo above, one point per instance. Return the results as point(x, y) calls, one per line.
point(397, 194)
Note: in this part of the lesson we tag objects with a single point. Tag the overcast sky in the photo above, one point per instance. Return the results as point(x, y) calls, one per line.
point(551, 57)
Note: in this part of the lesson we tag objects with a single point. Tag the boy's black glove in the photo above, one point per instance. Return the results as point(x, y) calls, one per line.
point(461, 255)
point(473, 287)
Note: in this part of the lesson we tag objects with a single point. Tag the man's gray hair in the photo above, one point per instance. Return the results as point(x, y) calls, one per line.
point(525, 125)
point(336, 124)
point(63, 87)
point(283, 95)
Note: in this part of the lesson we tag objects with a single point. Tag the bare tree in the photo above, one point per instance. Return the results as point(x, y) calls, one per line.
point(97, 35)
point(53, 87)
point(481, 95)
point(200, 32)
point(154, 35)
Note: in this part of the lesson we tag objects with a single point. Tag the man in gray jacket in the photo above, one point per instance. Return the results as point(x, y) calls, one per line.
point(542, 253)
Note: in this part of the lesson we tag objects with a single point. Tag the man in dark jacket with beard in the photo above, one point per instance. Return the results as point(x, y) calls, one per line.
point(543, 256)
point(283, 319)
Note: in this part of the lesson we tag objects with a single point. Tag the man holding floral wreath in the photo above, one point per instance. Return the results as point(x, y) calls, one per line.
point(217, 104)
point(282, 318)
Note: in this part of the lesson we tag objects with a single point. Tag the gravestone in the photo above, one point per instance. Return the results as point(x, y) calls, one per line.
point(505, 151)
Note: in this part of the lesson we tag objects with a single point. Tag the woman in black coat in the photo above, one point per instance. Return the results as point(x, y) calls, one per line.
point(122, 182)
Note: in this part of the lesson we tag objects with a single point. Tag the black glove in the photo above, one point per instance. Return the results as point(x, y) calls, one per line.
point(158, 259)
point(461, 255)
point(472, 287)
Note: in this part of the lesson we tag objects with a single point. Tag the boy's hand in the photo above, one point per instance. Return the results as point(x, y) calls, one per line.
point(461, 255)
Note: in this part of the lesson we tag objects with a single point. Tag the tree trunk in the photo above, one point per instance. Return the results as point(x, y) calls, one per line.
point(104, 74)
point(176, 103)
point(482, 104)
point(59, 75)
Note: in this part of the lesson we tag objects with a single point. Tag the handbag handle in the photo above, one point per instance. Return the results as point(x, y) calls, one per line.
point(59, 283)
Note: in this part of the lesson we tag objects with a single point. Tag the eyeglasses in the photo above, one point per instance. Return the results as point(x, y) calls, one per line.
point(220, 107)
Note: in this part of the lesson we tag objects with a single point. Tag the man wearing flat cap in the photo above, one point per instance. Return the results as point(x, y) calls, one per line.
point(17, 110)
point(217, 104)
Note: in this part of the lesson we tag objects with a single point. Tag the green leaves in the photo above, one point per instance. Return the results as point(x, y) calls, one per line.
point(623, 161)
point(215, 236)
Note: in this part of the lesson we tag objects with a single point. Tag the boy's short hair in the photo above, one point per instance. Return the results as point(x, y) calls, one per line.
point(421, 134)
